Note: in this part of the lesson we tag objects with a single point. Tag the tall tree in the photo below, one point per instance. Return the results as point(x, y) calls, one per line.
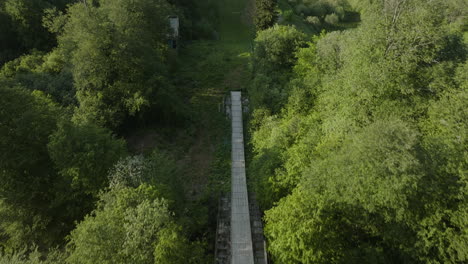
point(28, 119)
point(265, 13)
point(26, 170)
point(82, 156)
point(50, 170)
point(274, 57)
point(117, 52)
point(131, 225)
point(8, 38)
point(25, 19)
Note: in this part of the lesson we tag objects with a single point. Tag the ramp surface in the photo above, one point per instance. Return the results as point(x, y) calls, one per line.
point(241, 235)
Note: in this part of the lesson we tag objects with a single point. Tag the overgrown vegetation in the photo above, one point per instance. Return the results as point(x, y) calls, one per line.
point(114, 147)
point(313, 16)
point(265, 13)
point(101, 128)
point(362, 156)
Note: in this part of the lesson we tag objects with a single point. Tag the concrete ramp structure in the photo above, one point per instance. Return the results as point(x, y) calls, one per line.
point(241, 232)
point(239, 228)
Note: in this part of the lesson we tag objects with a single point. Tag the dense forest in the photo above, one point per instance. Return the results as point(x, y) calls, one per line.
point(359, 134)
point(80, 82)
point(113, 148)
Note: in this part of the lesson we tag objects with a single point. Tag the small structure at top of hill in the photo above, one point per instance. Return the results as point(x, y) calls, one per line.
point(174, 35)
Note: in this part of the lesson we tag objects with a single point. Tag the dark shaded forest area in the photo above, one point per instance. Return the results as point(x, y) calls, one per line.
point(113, 148)
point(83, 176)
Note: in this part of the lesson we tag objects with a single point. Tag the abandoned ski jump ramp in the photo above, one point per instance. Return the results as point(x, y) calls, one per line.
point(241, 234)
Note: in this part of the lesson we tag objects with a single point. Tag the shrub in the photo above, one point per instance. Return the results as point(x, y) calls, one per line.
point(332, 19)
point(287, 15)
point(274, 56)
point(313, 20)
point(340, 11)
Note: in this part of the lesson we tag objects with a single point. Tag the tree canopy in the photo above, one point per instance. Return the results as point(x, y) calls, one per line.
point(358, 166)
point(265, 13)
point(131, 225)
point(116, 50)
point(114, 147)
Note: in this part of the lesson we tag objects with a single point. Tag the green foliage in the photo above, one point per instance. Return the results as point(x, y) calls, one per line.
point(275, 47)
point(358, 137)
point(8, 38)
point(287, 15)
point(332, 19)
point(313, 20)
point(131, 225)
point(273, 58)
point(366, 161)
point(42, 72)
point(333, 12)
point(21, 26)
point(110, 66)
point(158, 169)
point(83, 155)
point(28, 119)
point(23, 225)
point(265, 14)
point(33, 257)
point(366, 183)
point(445, 186)
point(296, 20)
point(26, 17)
point(363, 199)
point(53, 171)
point(117, 53)
point(26, 170)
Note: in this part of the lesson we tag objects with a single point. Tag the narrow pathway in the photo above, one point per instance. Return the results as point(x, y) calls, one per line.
point(241, 234)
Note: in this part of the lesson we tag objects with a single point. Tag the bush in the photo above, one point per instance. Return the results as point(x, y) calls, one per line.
point(313, 20)
point(274, 56)
point(83, 154)
point(332, 19)
point(287, 15)
point(158, 169)
point(275, 47)
point(340, 11)
point(130, 225)
point(128, 172)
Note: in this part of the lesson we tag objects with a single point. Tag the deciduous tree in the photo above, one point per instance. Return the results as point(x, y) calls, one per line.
point(265, 13)
point(117, 52)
